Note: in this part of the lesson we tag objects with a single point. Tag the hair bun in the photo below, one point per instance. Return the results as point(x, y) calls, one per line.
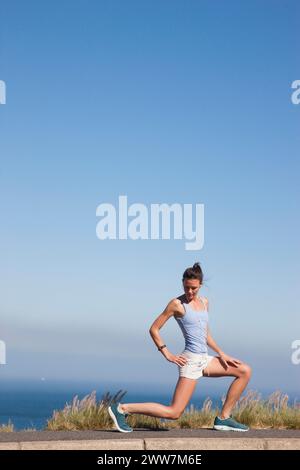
point(193, 273)
point(196, 267)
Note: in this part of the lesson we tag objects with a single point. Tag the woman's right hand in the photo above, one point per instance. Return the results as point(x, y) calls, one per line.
point(179, 360)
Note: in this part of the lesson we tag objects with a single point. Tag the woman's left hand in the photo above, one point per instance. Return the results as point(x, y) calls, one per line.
point(227, 361)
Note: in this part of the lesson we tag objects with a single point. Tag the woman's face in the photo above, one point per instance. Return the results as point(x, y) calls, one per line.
point(191, 288)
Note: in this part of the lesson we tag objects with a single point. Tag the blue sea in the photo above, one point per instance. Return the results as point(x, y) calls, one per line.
point(31, 404)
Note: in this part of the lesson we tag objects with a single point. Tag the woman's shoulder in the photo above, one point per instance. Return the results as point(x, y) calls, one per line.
point(178, 306)
point(205, 302)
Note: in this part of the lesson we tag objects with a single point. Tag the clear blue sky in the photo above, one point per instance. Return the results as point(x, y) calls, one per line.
point(163, 101)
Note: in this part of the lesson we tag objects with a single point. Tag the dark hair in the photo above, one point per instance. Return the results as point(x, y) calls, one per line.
point(194, 272)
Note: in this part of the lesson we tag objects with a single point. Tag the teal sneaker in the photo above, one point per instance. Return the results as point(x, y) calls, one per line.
point(229, 424)
point(119, 418)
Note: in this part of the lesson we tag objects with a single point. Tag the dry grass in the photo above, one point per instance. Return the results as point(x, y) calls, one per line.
point(9, 427)
point(274, 412)
point(84, 414)
point(88, 413)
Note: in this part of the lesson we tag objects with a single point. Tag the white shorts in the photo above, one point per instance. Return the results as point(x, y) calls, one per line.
point(196, 363)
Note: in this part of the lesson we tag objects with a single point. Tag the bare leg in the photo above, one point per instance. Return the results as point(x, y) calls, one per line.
point(183, 392)
point(242, 375)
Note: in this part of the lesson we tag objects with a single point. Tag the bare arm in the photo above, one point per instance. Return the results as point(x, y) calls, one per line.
point(210, 341)
point(212, 344)
point(225, 359)
point(169, 311)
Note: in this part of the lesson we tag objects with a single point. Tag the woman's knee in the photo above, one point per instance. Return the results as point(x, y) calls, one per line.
point(175, 413)
point(245, 370)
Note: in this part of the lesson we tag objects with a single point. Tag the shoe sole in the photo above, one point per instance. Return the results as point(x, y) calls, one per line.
point(228, 428)
point(113, 417)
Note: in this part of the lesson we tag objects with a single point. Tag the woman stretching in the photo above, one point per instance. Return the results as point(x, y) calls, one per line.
point(191, 314)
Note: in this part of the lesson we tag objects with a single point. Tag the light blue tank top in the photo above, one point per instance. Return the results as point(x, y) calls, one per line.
point(193, 325)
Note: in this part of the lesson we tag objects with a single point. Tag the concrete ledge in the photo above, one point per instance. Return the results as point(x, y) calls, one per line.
point(283, 444)
point(205, 444)
point(10, 446)
point(103, 444)
point(222, 444)
point(158, 444)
